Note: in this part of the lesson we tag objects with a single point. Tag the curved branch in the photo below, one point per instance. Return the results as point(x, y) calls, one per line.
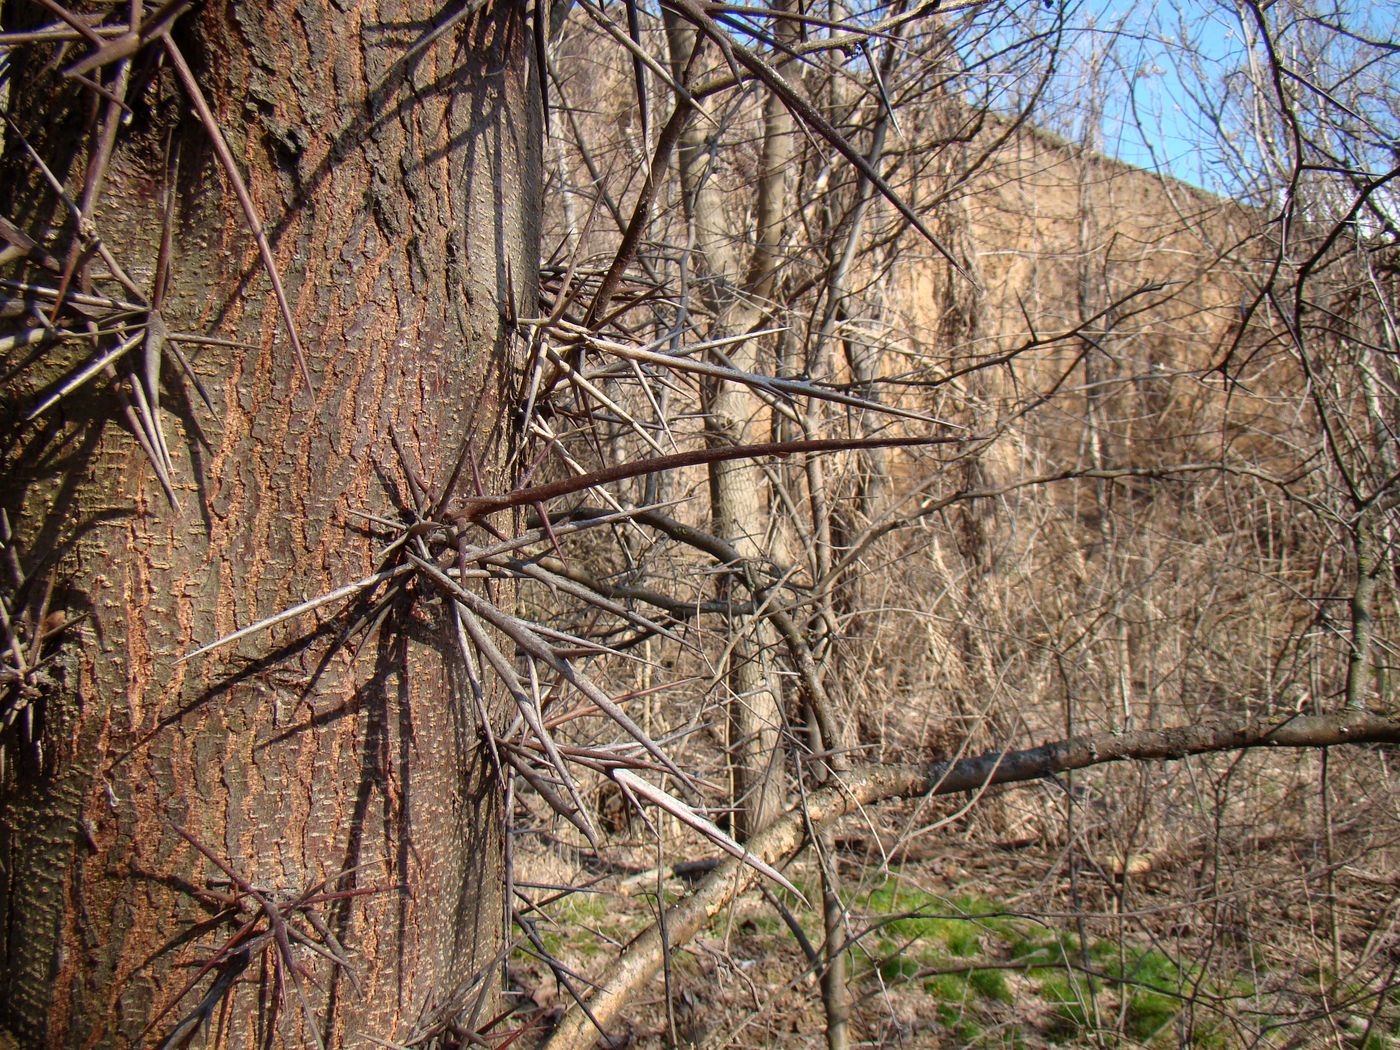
point(474, 508)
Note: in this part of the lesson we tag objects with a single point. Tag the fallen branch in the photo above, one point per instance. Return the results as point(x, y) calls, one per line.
point(642, 958)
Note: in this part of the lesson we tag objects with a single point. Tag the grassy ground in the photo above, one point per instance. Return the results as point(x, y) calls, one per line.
point(943, 957)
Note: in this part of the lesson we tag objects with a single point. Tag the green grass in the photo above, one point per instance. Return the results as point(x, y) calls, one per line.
point(990, 984)
point(580, 925)
point(1382, 1040)
point(1137, 989)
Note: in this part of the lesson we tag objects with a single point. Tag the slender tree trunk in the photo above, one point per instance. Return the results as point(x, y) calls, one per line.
point(398, 187)
point(1370, 564)
point(737, 292)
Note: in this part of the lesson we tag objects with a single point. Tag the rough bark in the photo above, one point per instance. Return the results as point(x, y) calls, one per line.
point(398, 186)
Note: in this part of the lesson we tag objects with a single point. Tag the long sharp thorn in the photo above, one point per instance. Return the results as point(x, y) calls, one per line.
point(84, 374)
point(520, 633)
point(450, 485)
point(161, 279)
point(542, 58)
point(185, 366)
point(99, 302)
point(880, 87)
point(592, 597)
point(131, 41)
point(79, 24)
point(556, 760)
point(245, 200)
point(527, 705)
point(590, 388)
point(678, 809)
point(416, 484)
point(147, 433)
point(552, 799)
point(185, 1032)
point(152, 354)
point(296, 610)
point(639, 75)
point(477, 508)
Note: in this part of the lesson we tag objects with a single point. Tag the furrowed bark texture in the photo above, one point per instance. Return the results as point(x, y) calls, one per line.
point(398, 189)
point(642, 957)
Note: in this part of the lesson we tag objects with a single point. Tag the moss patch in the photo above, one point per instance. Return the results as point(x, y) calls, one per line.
point(1039, 982)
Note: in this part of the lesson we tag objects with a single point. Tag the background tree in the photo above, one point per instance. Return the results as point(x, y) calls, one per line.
point(1116, 514)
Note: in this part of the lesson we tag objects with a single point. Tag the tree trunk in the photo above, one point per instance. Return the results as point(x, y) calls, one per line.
point(737, 292)
point(398, 185)
point(1368, 548)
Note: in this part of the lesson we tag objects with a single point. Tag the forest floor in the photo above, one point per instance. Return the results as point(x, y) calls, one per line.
point(1021, 943)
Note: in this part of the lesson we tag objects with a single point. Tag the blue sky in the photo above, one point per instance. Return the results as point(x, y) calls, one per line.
point(1149, 87)
point(1155, 122)
point(1127, 79)
point(1167, 67)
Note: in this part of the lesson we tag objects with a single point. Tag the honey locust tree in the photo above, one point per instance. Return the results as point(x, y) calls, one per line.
point(266, 275)
point(290, 839)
